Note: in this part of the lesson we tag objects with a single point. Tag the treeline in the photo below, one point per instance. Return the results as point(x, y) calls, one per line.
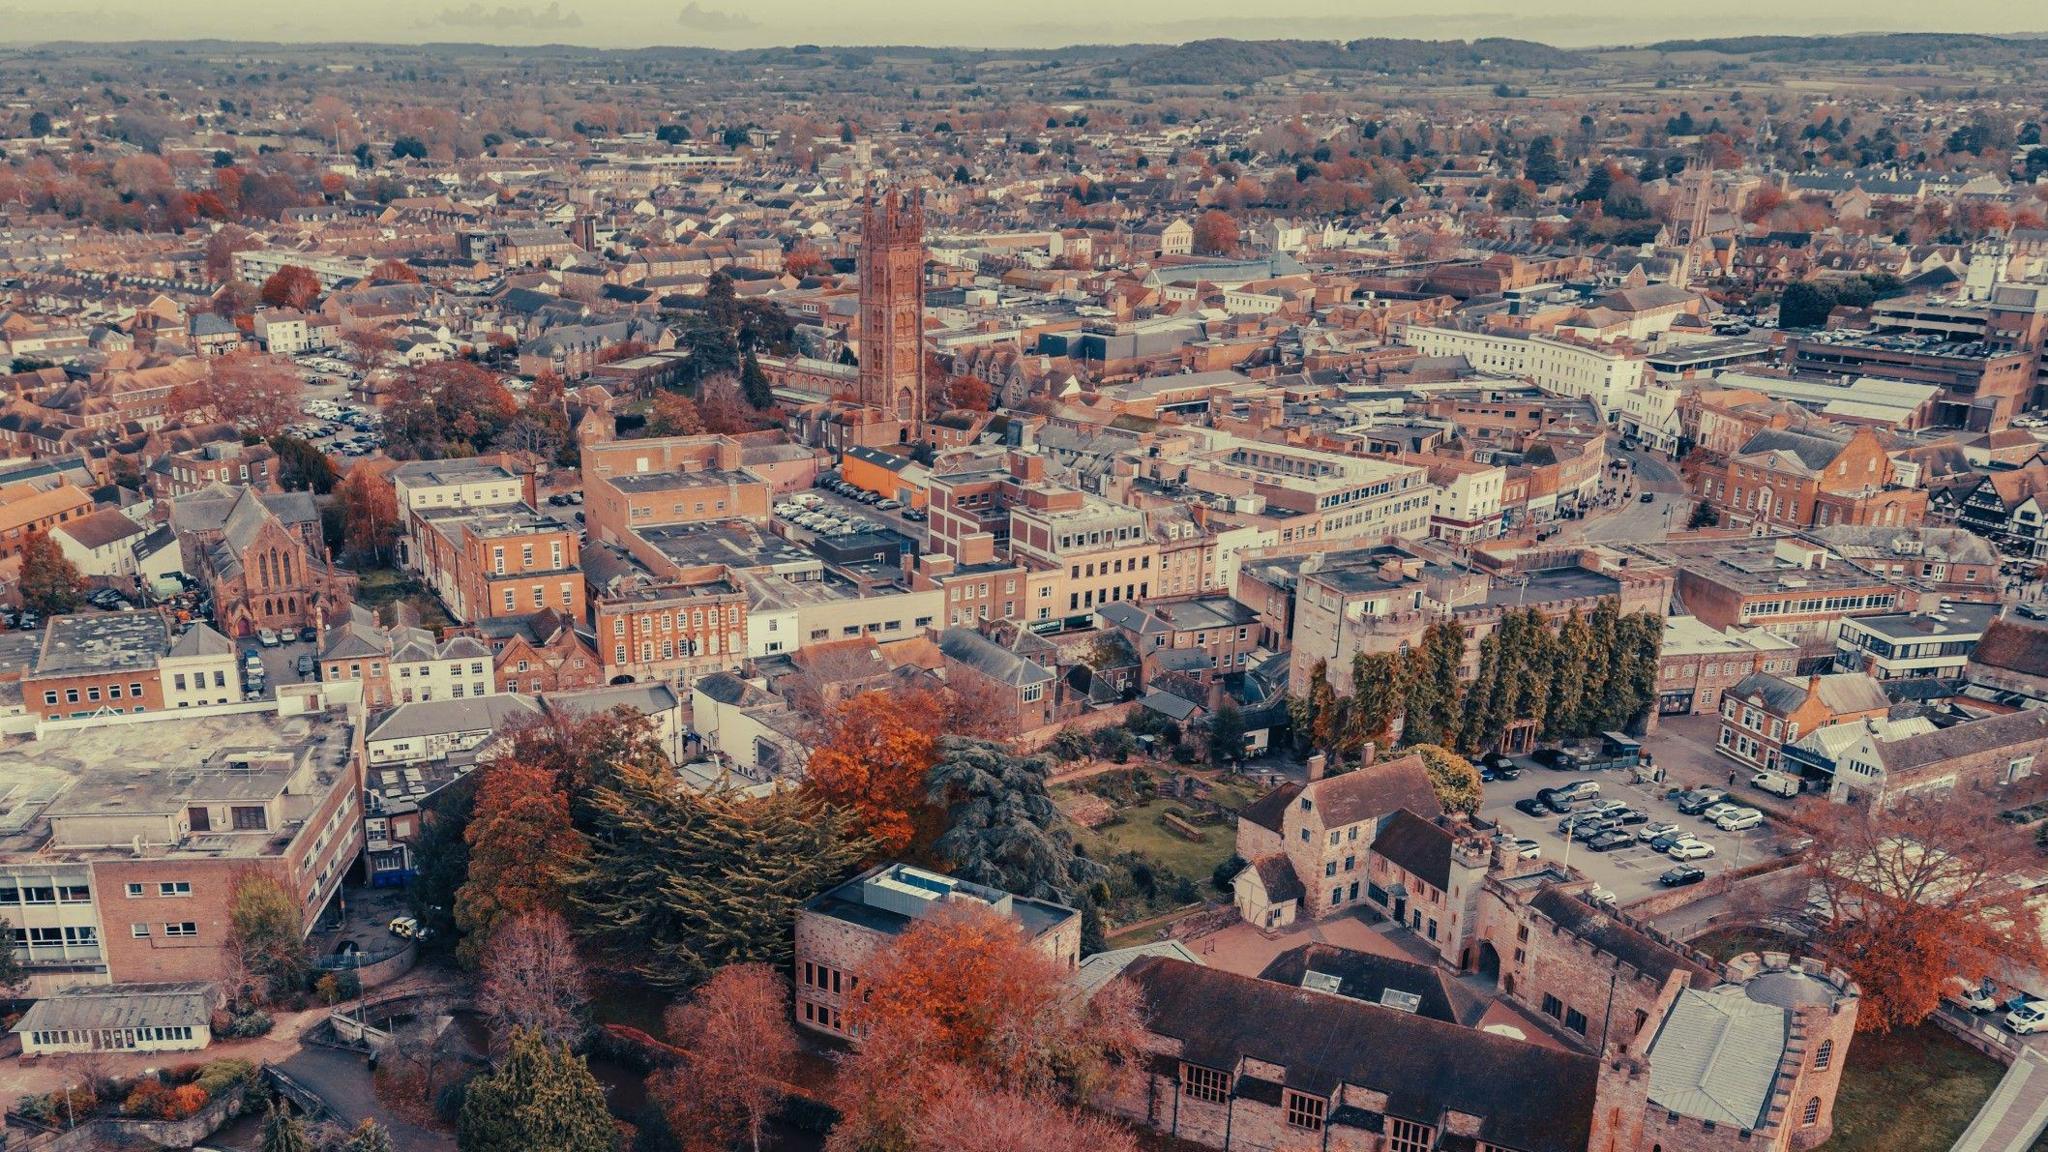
point(1224, 61)
point(1587, 674)
point(1806, 304)
point(1896, 47)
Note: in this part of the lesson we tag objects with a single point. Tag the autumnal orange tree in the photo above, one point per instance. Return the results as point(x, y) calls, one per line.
point(369, 514)
point(1215, 233)
point(49, 581)
point(291, 287)
point(965, 993)
point(1920, 891)
point(254, 391)
point(520, 845)
point(877, 750)
point(673, 414)
point(741, 1048)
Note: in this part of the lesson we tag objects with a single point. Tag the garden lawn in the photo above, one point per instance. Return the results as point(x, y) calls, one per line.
point(1910, 1091)
point(379, 587)
point(1143, 832)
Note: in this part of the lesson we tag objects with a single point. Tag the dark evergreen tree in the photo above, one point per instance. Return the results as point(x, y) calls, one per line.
point(542, 1098)
point(1002, 828)
point(1226, 734)
point(1571, 653)
point(754, 383)
point(683, 882)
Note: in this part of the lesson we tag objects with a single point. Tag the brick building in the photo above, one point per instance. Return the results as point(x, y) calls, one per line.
point(1763, 713)
point(125, 849)
point(1697, 664)
point(1781, 479)
point(630, 484)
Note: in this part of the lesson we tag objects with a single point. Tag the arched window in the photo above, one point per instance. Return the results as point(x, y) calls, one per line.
point(1812, 1114)
point(1824, 1055)
point(263, 569)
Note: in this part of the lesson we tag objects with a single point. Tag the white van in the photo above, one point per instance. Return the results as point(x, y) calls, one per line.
point(1776, 783)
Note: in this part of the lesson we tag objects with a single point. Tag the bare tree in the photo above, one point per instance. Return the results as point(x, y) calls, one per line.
point(533, 979)
point(423, 1044)
point(742, 1048)
point(965, 1114)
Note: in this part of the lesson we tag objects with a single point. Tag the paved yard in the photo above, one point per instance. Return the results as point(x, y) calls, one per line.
point(1631, 872)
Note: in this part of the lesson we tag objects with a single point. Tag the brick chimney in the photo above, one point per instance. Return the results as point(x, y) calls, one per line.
point(1316, 764)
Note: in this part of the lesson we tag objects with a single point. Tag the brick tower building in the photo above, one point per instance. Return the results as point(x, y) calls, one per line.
point(892, 308)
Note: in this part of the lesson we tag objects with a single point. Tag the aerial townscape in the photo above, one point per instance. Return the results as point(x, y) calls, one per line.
point(1242, 594)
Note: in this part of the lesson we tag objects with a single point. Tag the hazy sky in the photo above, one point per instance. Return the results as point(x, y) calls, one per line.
point(754, 23)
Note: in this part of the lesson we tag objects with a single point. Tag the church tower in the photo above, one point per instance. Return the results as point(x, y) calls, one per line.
point(892, 306)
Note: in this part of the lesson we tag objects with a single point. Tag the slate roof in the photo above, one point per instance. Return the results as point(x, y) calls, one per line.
point(434, 717)
point(200, 640)
point(1418, 846)
point(1268, 810)
point(1374, 790)
point(1814, 453)
point(188, 1004)
point(99, 529)
point(1531, 1098)
point(990, 659)
point(1965, 739)
point(1715, 1056)
point(2013, 645)
point(1367, 976)
point(1276, 875)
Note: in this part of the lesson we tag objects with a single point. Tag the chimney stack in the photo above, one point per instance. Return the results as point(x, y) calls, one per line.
point(1316, 764)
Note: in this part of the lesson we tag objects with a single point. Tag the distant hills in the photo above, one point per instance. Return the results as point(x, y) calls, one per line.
point(1888, 47)
point(1248, 61)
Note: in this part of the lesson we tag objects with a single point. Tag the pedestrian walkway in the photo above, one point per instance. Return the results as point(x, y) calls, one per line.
point(2012, 1119)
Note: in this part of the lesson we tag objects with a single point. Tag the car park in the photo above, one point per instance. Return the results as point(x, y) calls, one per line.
point(1690, 850)
point(1682, 875)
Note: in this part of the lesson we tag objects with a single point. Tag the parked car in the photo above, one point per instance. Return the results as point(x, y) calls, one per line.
point(267, 638)
point(1699, 800)
point(1610, 840)
point(2028, 1018)
point(305, 664)
point(1649, 832)
point(1649, 498)
point(1591, 830)
point(1739, 819)
point(1663, 841)
point(1554, 800)
point(1530, 806)
point(1501, 765)
point(1580, 790)
point(1630, 817)
point(1690, 850)
point(1714, 812)
point(1526, 848)
point(1682, 875)
point(1776, 783)
point(1981, 998)
point(1555, 758)
point(1597, 804)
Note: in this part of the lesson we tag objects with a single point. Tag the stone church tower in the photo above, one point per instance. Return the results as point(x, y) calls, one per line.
point(892, 307)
